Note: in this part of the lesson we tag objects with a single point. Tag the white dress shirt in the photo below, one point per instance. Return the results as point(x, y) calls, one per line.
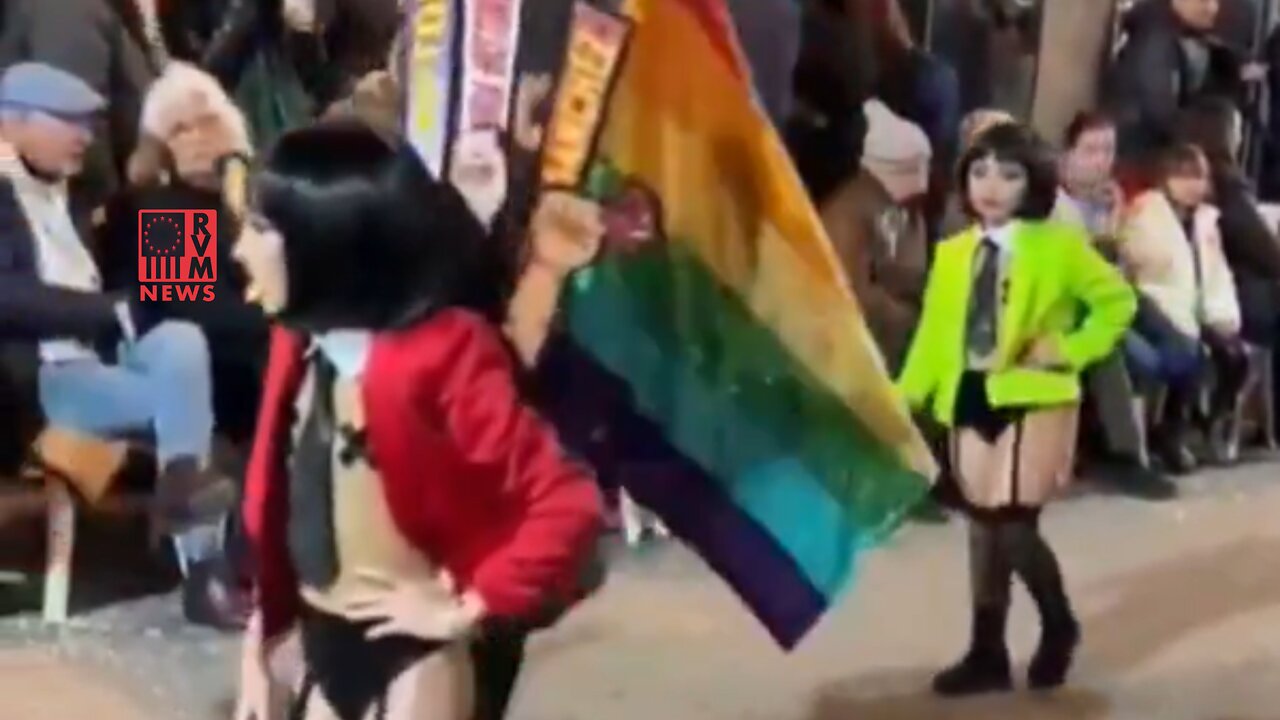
point(61, 258)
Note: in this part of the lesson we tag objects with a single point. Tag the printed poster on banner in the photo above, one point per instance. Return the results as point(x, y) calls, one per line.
point(596, 44)
point(490, 40)
point(428, 65)
point(478, 162)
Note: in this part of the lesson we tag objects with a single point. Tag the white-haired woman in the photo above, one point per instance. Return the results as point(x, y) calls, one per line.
point(190, 130)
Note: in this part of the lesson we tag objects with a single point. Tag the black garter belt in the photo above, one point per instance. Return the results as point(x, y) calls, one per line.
point(973, 409)
point(351, 671)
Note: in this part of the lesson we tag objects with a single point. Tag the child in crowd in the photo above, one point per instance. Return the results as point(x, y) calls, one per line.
point(997, 359)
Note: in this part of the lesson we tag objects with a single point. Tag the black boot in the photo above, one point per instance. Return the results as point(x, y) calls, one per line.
point(1059, 637)
point(1170, 438)
point(985, 668)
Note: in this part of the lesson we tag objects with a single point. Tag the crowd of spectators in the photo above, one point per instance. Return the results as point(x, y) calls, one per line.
point(109, 107)
point(1156, 174)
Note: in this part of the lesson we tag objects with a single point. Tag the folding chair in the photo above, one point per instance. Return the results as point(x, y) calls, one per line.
point(71, 467)
point(1259, 394)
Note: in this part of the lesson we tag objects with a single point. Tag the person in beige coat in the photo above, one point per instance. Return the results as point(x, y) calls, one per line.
point(1171, 248)
point(877, 228)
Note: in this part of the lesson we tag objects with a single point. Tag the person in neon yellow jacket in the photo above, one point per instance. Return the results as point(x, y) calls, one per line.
point(1016, 306)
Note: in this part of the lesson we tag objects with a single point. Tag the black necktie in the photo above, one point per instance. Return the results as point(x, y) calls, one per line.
point(312, 544)
point(984, 305)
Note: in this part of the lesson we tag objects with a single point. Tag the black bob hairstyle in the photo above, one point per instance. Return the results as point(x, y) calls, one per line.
point(1013, 143)
point(371, 239)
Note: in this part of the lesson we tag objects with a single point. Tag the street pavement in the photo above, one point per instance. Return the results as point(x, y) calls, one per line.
point(1180, 603)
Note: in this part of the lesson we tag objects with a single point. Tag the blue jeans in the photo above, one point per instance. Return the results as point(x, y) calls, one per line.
point(161, 386)
point(1157, 352)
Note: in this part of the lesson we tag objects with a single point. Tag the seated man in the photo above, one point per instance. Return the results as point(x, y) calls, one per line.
point(1090, 197)
point(51, 299)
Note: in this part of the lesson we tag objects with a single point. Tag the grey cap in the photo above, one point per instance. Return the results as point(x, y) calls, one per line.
point(44, 88)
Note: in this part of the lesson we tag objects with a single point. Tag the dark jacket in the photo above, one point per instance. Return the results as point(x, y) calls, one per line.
point(29, 311)
point(1252, 247)
point(237, 330)
point(925, 90)
point(227, 316)
point(1150, 80)
point(1253, 252)
point(225, 36)
point(834, 75)
point(769, 32)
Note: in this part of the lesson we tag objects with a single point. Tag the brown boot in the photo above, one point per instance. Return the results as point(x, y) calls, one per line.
point(187, 495)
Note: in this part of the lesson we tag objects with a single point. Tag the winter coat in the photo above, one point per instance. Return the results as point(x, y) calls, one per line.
point(1188, 279)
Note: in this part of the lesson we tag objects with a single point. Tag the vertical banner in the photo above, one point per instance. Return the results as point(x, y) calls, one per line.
point(490, 40)
point(428, 78)
point(544, 33)
point(596, 43)
point(478, 163)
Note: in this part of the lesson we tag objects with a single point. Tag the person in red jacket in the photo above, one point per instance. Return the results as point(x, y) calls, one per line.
point(400, 492)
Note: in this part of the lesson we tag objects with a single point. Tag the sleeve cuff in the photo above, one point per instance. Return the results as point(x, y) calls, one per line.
point(125, 319)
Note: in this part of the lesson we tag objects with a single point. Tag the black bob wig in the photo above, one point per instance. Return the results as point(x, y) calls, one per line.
point(371, 239)
point(1013, 143)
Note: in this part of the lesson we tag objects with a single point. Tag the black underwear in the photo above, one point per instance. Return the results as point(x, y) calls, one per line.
point(973, 409)
point(351, 671)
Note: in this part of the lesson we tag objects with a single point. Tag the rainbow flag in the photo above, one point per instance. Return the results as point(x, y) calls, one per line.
point(774, 443)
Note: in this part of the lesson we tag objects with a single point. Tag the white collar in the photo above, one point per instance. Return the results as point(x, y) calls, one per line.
point(12, 167)
point(1003, 236)
point(348, 350)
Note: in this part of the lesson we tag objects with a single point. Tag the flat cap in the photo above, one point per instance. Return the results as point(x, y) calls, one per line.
point(44, 88)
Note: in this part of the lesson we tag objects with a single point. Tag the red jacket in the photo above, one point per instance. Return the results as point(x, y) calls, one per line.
point(473, 477)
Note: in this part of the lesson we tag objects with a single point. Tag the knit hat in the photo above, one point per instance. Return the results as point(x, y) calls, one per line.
point(895, 151)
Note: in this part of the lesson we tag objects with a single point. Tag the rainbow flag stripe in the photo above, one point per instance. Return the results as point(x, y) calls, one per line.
point(780, 448)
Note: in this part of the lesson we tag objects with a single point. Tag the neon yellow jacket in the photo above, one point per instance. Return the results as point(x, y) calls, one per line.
point(1054, 271)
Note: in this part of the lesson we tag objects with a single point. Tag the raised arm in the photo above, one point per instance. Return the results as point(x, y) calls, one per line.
point(559, 503)
point(564, 235)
